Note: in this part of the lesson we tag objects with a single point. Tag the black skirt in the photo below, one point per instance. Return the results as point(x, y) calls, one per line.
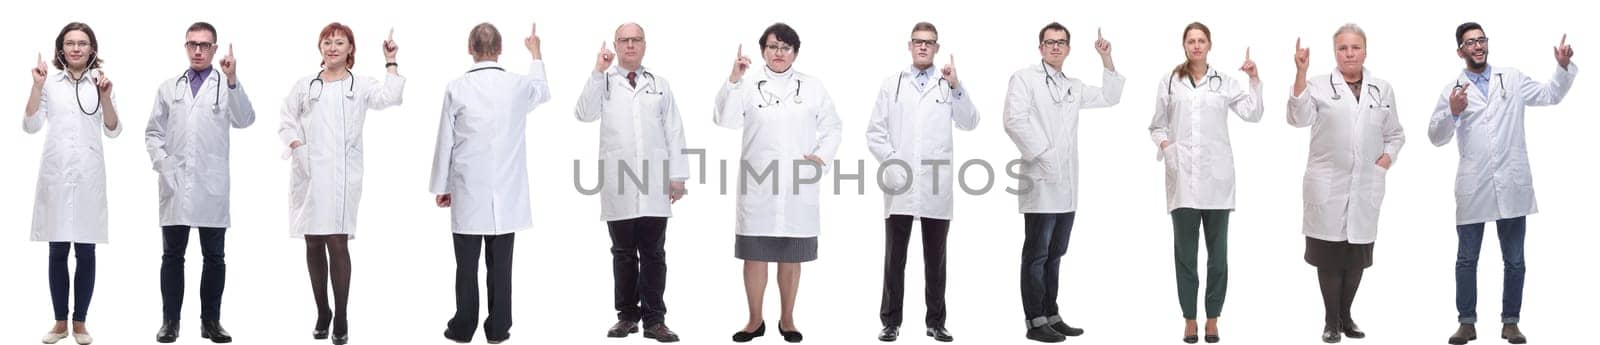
point(1338, 255)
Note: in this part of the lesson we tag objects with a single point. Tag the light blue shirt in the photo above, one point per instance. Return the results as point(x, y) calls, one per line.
point(923, 76)
point(1480, 80)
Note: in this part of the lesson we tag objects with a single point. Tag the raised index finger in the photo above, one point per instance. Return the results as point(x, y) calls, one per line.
point(952, 59)
point(535, 28)
point(1296, 43)
point(741, 51)
point(1247, 53)
point(1098, 34)
point(1563, 40)
point(230, 49)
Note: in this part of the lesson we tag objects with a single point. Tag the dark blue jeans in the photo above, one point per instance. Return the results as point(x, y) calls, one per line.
point(213, 272)
point(82, 284)
point(1043, 244)
point(1512, 233)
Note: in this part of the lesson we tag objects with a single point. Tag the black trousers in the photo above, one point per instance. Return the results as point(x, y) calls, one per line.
point(497, 258)
point(213, 274)
point(80, 283)
point(897, 237)
point(639, 268)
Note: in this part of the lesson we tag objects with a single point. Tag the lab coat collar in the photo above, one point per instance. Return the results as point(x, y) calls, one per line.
point(1051, 71)
point(624, 71)
point(485, 64)
point(63, 75)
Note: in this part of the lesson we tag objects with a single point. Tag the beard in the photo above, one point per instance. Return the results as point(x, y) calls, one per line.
point(1477, 66)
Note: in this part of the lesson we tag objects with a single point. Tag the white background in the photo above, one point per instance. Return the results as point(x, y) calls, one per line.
point(1117, 278)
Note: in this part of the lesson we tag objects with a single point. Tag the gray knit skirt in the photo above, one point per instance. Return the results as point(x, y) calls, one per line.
point(775, 249)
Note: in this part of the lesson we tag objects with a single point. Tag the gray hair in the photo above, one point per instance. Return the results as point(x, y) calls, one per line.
point(1350, 28)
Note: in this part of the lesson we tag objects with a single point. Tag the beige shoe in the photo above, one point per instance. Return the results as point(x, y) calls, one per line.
point(52, 338)
point(82, 338)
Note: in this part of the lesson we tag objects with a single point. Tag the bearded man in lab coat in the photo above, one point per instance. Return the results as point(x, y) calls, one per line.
point(1484, 107)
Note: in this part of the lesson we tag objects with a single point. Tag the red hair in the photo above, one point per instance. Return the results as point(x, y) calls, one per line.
point(340, 29)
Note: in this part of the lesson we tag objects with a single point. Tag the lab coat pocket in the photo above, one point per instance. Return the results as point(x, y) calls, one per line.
point(1379, 185)
point(169, 176)
point(1043, 169)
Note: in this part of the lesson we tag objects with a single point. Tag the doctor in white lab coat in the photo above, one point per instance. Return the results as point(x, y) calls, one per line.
point(1190, 128)
point(791, 133)
point(323, 116)
point(1355, 138)
point(480, 172)
point(1041, 117)
point(912, 123)
point(188, 140)
point(640, 131)
point(69, 207)
point(1483, 109)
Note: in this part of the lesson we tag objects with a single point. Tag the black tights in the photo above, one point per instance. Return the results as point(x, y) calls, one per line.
point(1338, 293)
point(320, 251)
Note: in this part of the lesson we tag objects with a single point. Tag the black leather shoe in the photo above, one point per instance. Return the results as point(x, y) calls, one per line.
point(319, 334)
point(791, 336)
point(1467, 332)
point(1191, 339)
point(1352, 331)
point(168, 332)
point(1045, 334)
point(941, 334)
point(661, 333)
point(498, 340)
point(742, 336)
point(1213, 339)
point(889, 333)
point(1330, 334)
point(622, 329)
point(1512, 334)
point(341, 339)
point(1064, 329)
point(457, 340)
point(212, 329)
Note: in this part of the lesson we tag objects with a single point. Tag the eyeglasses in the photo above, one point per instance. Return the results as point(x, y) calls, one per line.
point(1054, 43)
point(1480, 41)
point(630, 40)
point(75, 44)
point(779, 48)
point(917, 42)
point(202, 46)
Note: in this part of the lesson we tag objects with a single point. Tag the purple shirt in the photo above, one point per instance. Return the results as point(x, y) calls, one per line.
point(198, 78)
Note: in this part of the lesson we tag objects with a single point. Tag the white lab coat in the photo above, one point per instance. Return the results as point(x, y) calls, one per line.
point(325, 177)
point(1493, 179)
point(69, 203)
point(640, 129)
point(1046, 132)
point(914, 126)
point(1344, 185)
point(781, 125)
point(481, 157)
point(1193, 120)
point(188, 142)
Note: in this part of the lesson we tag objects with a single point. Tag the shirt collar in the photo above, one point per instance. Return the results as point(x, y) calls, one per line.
point(1051, 71)
point(775, 75)
point(1475, 77)
point(487, 64)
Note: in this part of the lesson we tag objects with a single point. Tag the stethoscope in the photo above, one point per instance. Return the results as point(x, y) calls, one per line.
point(1372, 92)
point(1049, 84)
point(650, 90)
point(1214, 81)
point(216, 103)
point(76, 95)
point(945, 92)
point(1496, 76)
point(317, 96)
point(769, 100)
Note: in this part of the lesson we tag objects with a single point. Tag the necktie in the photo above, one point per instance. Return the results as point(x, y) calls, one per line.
point(632, 79)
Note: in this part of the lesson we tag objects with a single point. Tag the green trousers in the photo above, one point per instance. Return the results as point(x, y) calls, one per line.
point(1186, 223)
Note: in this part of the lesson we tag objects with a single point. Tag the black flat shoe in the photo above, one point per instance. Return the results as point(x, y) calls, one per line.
point(1352, 331)
point(168, 332)
point(940, 334)
point(1513, 335)
point(1045, 334)
point(1213, 339)
point(212, 329)
point(889, 333)
point(1467, 332)
point(1191, 339)
point(497, 341)
point(1067, 330)
point(1330, 335)
point(742, 336)
point(791, 336)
